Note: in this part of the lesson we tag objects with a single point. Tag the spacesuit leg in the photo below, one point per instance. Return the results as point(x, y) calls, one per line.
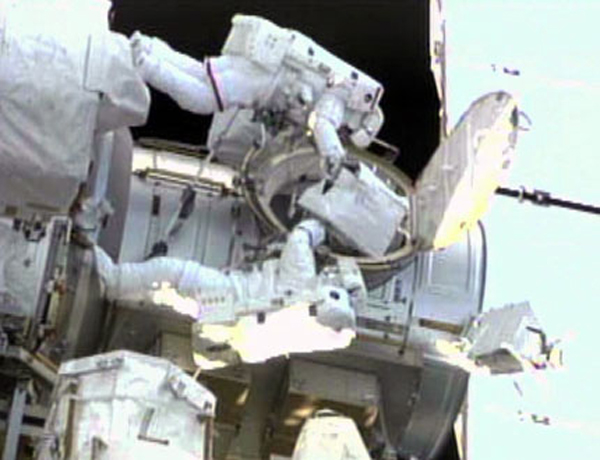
point(141, 281)
point(179, 283)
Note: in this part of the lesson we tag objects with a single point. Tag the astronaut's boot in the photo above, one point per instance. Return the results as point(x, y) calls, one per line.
point(335, 310)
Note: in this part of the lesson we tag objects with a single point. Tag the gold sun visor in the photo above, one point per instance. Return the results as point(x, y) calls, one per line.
point(455, 188)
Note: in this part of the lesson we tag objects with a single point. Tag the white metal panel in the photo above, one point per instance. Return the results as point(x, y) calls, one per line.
point(127, 405)
point(449, 283)
point(454, 189)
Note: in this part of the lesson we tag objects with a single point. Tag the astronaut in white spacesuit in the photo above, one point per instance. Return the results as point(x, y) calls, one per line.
point(271, 288)
point(281, 75)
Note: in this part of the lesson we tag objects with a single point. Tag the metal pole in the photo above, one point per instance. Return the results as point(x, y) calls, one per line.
point(542, 198)
point(15, 420)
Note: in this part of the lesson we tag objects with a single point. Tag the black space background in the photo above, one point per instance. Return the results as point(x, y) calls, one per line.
point(387, 39)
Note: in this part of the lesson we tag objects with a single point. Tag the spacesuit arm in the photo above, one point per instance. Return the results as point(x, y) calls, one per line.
point(191, 92)
point(297, 262)
point(325, 120)
point(162, 51)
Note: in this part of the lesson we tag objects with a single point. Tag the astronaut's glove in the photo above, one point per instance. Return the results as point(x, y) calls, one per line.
point(141, 42)
point(141, 46)
point(147, 64)
point(331, 166)
point(335, 310)
point(370, 126)
point(352, 165)
point(315, 230)
point(145, 54)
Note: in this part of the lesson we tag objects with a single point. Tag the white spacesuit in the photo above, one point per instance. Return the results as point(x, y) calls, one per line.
point(284, 77)
point(64, 92)
point(280, 292)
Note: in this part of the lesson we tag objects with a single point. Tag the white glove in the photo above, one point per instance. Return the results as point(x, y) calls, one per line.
point(145, 48)
point(370, 126)
point(331, 166)
point(144, 55)
point(153, 45)
point(140, 45)
point(315, 229)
